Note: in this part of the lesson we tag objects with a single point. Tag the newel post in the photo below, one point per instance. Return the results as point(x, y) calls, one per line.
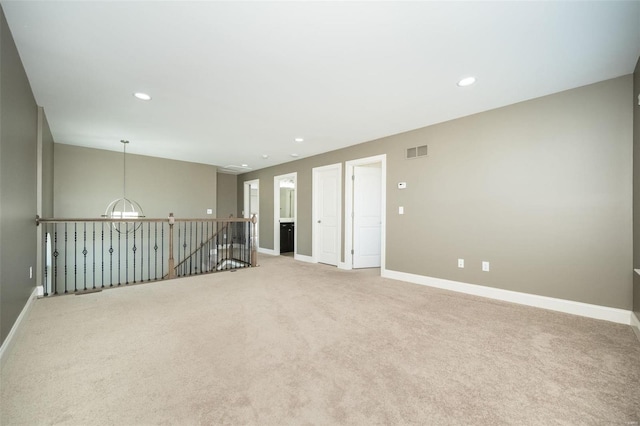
point(254, 249)
point(172, 270)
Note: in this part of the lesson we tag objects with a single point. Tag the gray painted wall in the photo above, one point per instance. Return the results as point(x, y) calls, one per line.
point(636, 188)
point(541, 189)
point(18, 133)
point(86, 180)
point(227, 195)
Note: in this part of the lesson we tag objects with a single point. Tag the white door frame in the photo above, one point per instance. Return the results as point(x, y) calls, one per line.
point(314, 212)
point(247, 196)
point(247, 205)
point(276, 211)
point(348, 209)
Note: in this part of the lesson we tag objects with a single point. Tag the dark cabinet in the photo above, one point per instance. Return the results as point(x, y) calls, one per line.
point(286, 237)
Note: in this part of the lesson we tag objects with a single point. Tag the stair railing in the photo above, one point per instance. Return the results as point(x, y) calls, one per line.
point(90, 254)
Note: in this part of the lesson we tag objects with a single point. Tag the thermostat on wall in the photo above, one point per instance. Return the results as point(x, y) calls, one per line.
point(402, 185)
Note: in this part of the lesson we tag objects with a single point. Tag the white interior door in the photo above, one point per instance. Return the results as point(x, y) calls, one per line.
point(367, 216)
point(327, 210)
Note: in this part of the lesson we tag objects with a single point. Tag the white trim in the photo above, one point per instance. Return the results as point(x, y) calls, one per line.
point(247, 196)
point(276, 209)
point(620, 316)
point(637, 271)
point(9, 341)
point(344, 265)
point(270, 252)
point(348, 209)
point(247, 202)
point(304, 258)
point(635, 324)
point(315, 243)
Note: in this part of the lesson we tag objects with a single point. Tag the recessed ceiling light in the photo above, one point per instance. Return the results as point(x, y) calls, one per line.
point(142, 96)
point(294, 155)
point(467, 81)
point(244, 165)
point(299, 140)
point(265, 156)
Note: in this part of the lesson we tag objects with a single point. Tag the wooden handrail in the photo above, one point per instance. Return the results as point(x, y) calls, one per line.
point(133, 219)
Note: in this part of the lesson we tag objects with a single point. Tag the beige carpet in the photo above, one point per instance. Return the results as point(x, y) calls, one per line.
point(296, 343)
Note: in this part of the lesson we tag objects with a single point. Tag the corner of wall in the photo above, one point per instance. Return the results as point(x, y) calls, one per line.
point(636, 191)
point(635, 324)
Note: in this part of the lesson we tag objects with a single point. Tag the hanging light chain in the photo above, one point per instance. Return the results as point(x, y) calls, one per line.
point(124, 168)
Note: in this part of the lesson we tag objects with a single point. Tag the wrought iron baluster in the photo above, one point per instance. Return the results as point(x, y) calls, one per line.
point(244, 245)
point(231, 245)
point(66, 237)
point(190, 247)
point(102, 251)
point(75, 256)
point(155, 248)
point(218, 246)
point(94, 254)
point(212, 242)
point(84, 253)
point(162, 250)
point(141, 252)
point(149, 251)
point(201, 246)
point(119, 258)
point(134, 252)
point(126, 253)
point(184, 244)
point(46, 259)
point(55, 259)
point(179, 245)
point(199, 249)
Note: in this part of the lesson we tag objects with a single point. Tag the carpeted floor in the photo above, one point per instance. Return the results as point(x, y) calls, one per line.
point(298, 343)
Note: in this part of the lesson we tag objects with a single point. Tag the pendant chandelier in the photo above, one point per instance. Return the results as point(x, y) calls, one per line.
point(124, 208)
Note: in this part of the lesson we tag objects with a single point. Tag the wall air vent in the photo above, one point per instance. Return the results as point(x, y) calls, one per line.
point(415, 152)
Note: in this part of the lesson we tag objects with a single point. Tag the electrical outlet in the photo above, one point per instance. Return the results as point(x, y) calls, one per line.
point(30, 272)
point(209, 211)
point(460, 263)
point(401, 210)
point(485, 266)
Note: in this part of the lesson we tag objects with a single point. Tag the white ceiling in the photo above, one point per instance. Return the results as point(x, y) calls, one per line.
point(232, 81)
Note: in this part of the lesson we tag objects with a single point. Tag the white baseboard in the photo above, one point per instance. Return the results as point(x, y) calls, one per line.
point(9, 341)
point(635, 324)
point(267, 251)
point(304, 258)
point(344, 265)
point(620, 316)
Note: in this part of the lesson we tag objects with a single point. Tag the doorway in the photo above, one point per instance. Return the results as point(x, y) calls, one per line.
point(285, 207)
point(365, 218)
point(326, 211)
point(252, 204)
